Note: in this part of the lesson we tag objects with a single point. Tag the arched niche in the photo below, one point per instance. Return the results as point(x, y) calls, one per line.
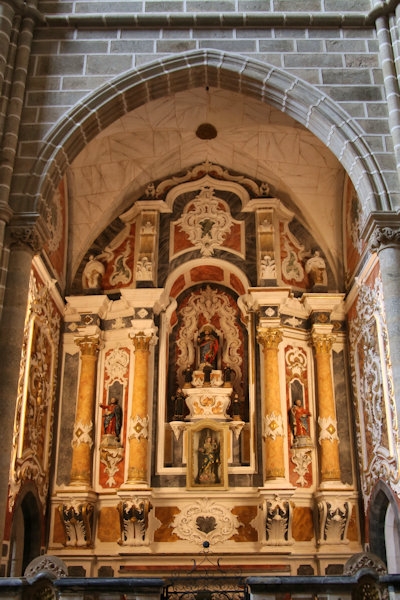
point(25, 542)
point(384, 527)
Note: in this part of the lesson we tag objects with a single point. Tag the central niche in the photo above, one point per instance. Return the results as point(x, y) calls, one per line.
point(208, 357)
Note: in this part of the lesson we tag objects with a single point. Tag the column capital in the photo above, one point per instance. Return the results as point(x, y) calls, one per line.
point(88, 345)
point(382, 230)
point(323, 342)
point(269, 337)
point(27, 231)
point(142, 340)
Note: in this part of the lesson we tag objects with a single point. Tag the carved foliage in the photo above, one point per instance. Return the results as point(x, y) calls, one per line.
point(334, 517)
point(33, 428)
point(134, 521)
point(373, 390)
point(205, 521)
point(278, 517)
point(76, 519)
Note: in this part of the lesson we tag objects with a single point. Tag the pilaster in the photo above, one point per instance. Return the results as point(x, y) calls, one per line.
point(382, 232)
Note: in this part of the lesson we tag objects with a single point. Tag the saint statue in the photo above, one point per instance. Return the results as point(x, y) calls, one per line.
point(112, 418)
point(316, 271)
point(299, 423)
point(93, 274)
point(208, 346)
point(209, 461)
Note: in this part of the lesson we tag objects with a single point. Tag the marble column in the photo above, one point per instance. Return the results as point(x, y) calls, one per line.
point(328, 436)
point(139, 420)
point(82, 441)
point(269, 338)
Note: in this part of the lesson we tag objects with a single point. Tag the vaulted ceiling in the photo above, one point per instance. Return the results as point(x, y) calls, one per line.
point(159, 139)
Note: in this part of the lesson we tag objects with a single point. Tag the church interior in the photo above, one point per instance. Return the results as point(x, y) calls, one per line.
point(205, 369)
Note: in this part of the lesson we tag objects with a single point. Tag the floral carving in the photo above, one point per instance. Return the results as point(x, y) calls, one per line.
point(205, 521)
point(205, 223)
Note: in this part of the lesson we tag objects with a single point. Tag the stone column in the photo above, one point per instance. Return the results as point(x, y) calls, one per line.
point(328, 436)
point(82, 441)
point(23, 242)
point(139, 421)
point(385, 240)
point(269, 338)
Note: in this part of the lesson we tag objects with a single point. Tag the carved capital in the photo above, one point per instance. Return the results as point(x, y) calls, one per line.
point(323, 342)
point(141, 341)
point(269, 337)
point(384, 237)
point(88, 345)
point(27, 231)
point(382, 230)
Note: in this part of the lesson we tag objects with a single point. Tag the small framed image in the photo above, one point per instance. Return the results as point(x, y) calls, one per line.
point(207, 455)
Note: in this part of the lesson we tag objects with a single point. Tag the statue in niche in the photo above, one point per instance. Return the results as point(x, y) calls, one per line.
point(299, 423)
point(92, 275)
point(316, 270)
point(144, 269)
point(112, 419)
point(179, 405)
point(268, 267)
point(188, 374)
point(208, 346)
point(208, 460)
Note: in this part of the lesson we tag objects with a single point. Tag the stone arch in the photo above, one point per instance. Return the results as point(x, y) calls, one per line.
point(210, 68)
point(384, 527)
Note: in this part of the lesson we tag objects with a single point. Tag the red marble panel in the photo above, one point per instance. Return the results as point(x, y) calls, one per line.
point(178, 286)
point(181, 240)
point(236, 284)
point(206, 273)
point(234, 238)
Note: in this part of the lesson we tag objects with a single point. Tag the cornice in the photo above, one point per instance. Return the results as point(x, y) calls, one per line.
point(220, 20)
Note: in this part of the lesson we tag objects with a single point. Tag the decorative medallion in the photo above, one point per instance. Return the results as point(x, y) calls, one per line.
point(205, 521)
point(205, 222)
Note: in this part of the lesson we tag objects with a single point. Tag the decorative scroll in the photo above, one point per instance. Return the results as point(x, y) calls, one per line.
point(334, 517)
point(134, 521)
point(277, 521)
point(111, 457)
point(77, 522)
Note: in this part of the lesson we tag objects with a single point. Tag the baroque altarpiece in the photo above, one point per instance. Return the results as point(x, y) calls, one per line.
point(206, 397)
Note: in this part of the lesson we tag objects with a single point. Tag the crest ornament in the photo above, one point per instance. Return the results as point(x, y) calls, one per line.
point(205, 222)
